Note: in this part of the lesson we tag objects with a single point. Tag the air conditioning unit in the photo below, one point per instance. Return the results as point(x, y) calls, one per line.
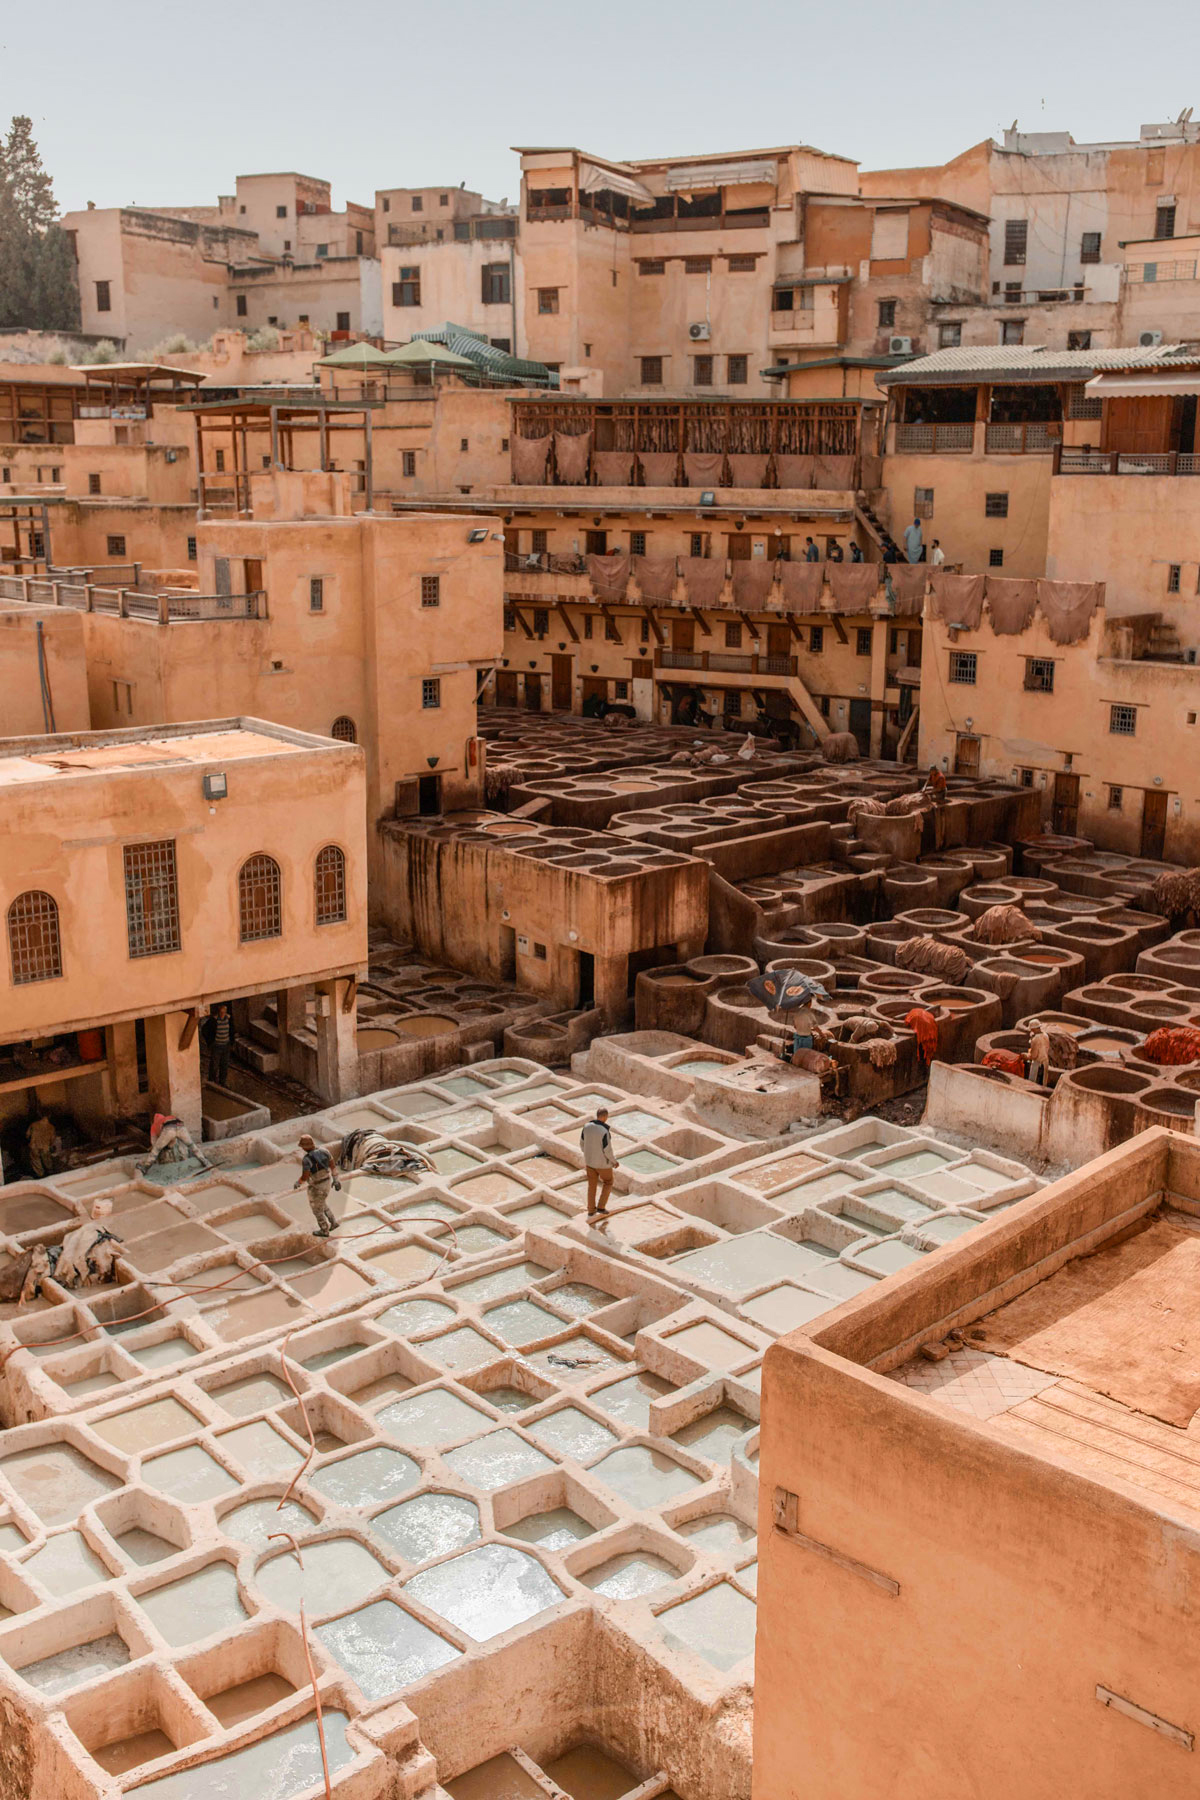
point(900, 346)
point(1148, 339)
point(699, 333)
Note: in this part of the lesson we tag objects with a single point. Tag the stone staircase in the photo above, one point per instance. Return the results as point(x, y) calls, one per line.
point(874, 526)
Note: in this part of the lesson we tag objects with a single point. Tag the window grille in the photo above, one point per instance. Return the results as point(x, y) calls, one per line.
point(260, 910)
point(330, 886)
point(34, 945)
point(151, 898)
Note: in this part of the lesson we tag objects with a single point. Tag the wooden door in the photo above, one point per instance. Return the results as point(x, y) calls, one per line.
point(512, 542)
point(1066, 804)
point(595, 687)
point(683, 634)
point(779, 640)
point(740, 546)
point(1138, 424)
point(860, 724)
point(966, 756)
point(506, 687)
point(533, 693)
point(252, 568)
point(1154, 824)
point(560, 683)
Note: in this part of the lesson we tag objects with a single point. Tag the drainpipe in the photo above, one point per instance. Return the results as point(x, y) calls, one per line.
point(44, 683)
point(512, 292)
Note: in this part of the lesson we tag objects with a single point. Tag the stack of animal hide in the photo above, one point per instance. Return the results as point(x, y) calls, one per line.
point(925, 954)
point(840, 747)
point(1003, 925)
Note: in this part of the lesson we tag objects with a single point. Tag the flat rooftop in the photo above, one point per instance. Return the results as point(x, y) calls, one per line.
point(24, 760)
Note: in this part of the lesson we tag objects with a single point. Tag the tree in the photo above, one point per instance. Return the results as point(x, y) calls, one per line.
point(38, 286)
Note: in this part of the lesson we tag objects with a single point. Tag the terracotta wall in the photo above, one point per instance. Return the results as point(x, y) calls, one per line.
point(66, 834)
point(23, 712)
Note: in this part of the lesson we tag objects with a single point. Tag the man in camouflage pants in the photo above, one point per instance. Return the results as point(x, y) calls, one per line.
point(317, 1172)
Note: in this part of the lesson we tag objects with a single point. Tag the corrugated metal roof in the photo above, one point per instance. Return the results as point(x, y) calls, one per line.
point(496, 363)
point(1032, 362)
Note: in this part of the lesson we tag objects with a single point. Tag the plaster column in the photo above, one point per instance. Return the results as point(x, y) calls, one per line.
point(337, 1043)
point(290, 1016)
point(879, 648)
point(123, 1068)
point(172, 1072)
point(612, 988)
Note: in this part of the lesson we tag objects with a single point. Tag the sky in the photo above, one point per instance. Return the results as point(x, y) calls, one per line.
point(147, 103)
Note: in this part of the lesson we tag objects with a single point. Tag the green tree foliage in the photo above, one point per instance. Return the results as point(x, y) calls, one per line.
point(38, 287)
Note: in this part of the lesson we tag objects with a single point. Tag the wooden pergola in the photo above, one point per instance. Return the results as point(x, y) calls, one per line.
point(240, 421)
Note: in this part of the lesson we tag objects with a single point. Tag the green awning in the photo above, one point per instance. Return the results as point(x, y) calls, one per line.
point(354, 356)
point(422, 351)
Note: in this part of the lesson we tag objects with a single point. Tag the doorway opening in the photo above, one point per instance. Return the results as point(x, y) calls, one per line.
point(430, 787)
point(587, 980)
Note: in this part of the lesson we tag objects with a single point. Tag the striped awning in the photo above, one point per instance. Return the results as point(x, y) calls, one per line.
point(1136, 384)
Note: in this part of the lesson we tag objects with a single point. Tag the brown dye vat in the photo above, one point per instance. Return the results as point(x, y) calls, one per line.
point(954, 1006)
point(242, 1701)
point(224, 1106)
point(1106, 1044)
point(676, 980)
point(426, 1025)
point(128, 1753)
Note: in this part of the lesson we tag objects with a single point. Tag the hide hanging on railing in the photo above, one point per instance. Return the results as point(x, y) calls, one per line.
point(655, 576)
point(752, 581)
point(747, 471)
point(833, 472)
point(613, 468)
point(802, 584)
point(529, 458)
point(908, 585)
point(705, 577)
point(1067, 607)
point(659, 467)
point(1011, 604)
point(794, 471)
point(958, 599)
point(703, 469)
point(853, 585)
point(609, 575)
point(571, 456)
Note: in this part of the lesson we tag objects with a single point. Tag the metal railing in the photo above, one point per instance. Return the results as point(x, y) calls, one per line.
point(1181, 269)
point(1022, 439)
point(1126, 462)
point(725, 663)
point(935, 440)
point(132, 603)
point(542, 562)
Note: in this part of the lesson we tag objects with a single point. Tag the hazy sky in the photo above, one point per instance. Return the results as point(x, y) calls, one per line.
point(159, 104)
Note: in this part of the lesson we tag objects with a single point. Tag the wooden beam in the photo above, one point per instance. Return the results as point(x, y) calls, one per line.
point(350, 997)
point(840, 629)
point(609, 620)
point(520, 618)
point(795, 629)
point(570, 629)
point(654, 625)
point(751, 627)
point(190, 1027)
point(699, 618)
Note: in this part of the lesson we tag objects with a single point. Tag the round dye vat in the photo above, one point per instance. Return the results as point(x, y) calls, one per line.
point(421, 1025)
point(375, 1037)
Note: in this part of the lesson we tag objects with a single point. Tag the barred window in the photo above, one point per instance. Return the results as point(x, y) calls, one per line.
point(1039, 674)
point(733, 637)
point(863, 640)
point(344, 730)
point(260, 910)
point(995, 506)
point(995, 559)
point(330, 882)
point(1174, 574)
point(816, 638)
point(1116, 799)
point(410, 462)
point(637, 543)
point(34, 945)
point(741, 264)
point(922, 503)
point(697, 265)
point(1122, 720)
point(116, 545)
point(652, 265)
point(1016, 239)
point(962, 667)
point(431, 590)
point(316, 593)
point(431, 693)
point(651, 370)
point(151, 898)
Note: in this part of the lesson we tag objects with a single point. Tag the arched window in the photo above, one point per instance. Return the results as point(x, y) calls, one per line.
point(260, 913)
point(330, 885)
point(344, 730)
point(34, 946)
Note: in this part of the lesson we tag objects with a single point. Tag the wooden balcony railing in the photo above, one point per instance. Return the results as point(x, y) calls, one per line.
point(132, 603)
point(935, 440)
point(1021, 439)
